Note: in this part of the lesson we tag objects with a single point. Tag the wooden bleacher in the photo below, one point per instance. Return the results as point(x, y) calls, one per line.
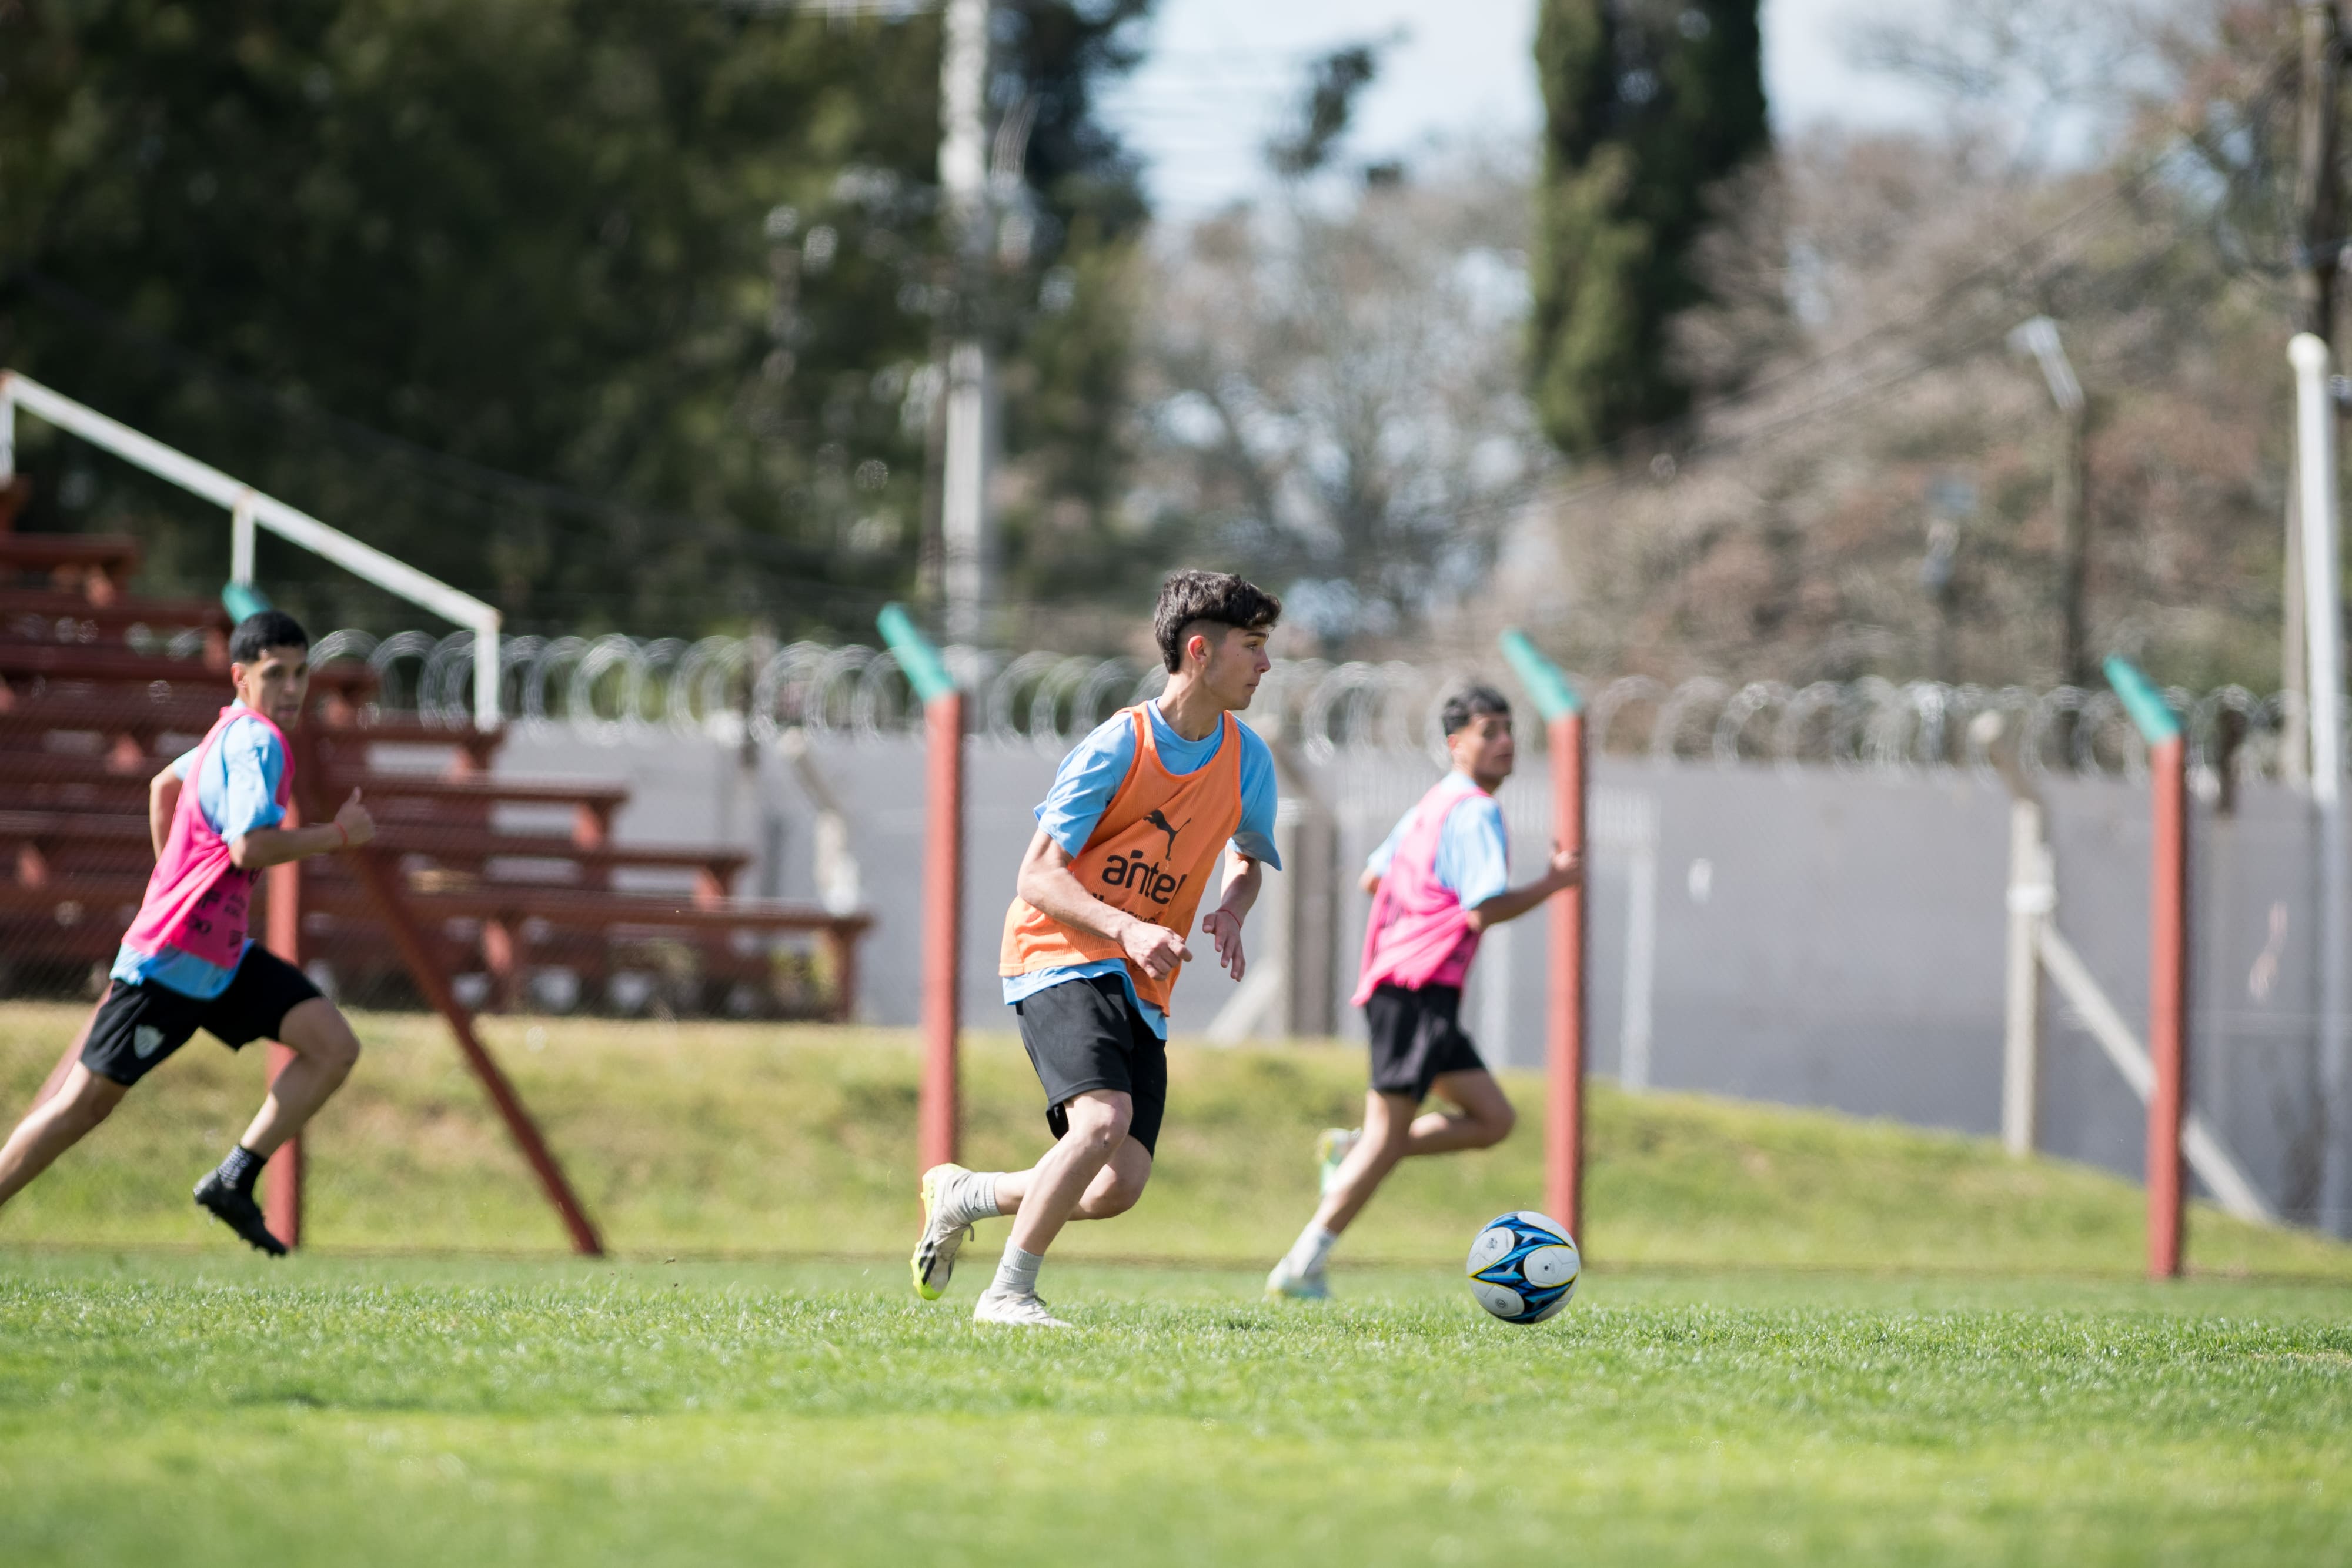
point(87, 720)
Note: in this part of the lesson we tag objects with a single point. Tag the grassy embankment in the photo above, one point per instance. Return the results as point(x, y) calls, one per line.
point(744, 1139)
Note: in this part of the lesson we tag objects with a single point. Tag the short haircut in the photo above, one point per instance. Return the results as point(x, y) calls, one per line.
point(1219, 596)
point(269, 629)
point(1469, 702)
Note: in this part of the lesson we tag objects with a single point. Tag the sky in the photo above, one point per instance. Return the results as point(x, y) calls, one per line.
point(1221, 73)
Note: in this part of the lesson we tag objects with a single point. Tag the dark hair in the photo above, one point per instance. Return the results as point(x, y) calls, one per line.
point(1219, 596)
point(268, 629)
point(1470, 703)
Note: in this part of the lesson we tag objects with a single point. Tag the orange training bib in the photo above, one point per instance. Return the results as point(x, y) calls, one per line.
point(1153, 853)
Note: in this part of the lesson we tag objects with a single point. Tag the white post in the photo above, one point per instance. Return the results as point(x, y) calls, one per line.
point(8, 425)
point(2032, 895)
point(964, 178)
point(240, 540)
point(2315, 430)
point(485, 672)
point(2323, 630)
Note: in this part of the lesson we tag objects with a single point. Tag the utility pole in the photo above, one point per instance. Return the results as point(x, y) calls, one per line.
point(966, 535)
point(2316, 245)
point(2068, 484)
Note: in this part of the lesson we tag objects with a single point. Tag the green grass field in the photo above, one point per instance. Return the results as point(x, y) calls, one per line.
point(1805, 1340)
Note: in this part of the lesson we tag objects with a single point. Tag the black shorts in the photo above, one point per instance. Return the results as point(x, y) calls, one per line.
point(1415, 1038)
point(137, 1025)
point(1087, 1034)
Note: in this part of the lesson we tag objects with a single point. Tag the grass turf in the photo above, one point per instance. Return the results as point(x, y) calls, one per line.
point(1812, 1340)
point(365, 1411)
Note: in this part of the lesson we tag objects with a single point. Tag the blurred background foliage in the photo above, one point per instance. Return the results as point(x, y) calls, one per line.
point(618, 312)
point(631, 314)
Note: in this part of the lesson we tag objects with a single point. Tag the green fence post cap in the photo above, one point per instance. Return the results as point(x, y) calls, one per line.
point(2157, 721)
point(924, 669)
point(242, 599)
point(1555, 696)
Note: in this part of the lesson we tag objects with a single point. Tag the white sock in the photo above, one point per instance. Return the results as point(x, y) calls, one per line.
point(974, 1196)
point(1311, 1250)
point(1017, 1275)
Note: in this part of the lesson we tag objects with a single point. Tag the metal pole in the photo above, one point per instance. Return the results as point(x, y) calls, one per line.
point(240, 541)
point(485, 672)
point(281, 1197)
point(8, 425)
point(2039, 338)
point(2032, 894)
point(963, 180)
point(1564, 1127)
point(942, 927)
point(2323, 619)
point(2168, 1000)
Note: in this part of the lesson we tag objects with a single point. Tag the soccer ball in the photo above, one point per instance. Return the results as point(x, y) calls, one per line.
point(1523, 1266)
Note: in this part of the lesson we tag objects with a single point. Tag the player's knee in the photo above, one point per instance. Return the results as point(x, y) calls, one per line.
point(1099, 1123)
point(1496, 1125)
point(1116, 1194)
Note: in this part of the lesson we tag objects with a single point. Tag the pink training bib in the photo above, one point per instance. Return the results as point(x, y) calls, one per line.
point(197, 900)
point(1419, 934)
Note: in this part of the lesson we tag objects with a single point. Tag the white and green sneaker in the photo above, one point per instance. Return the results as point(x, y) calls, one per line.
point(1332, 1146)
point(1011, 1310)
point(1287, 1283)
point(945, 1230)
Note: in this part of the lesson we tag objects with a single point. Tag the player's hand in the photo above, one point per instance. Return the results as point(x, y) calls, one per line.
point(1566, 867)
point(1227, 928)
point(352, 818)
point(1155, 949)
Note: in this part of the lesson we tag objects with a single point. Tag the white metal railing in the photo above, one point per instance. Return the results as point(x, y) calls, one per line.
point(250, 509)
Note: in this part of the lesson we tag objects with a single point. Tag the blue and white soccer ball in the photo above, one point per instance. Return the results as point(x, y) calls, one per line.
point(1523, 1266)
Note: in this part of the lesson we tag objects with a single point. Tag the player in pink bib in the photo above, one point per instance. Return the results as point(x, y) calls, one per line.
point(217, 816)
point(1438, 882)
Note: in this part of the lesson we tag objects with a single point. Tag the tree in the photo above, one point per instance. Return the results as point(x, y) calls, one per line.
point(1336, 398)
point(606, 309)
point(1648, 103)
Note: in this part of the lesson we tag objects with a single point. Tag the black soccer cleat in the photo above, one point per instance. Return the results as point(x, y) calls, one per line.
point(238, 1211)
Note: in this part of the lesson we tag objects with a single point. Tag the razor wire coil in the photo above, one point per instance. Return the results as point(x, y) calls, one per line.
point(616, 689)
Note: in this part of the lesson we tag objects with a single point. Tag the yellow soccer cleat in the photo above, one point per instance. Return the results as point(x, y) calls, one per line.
point(945, 1230)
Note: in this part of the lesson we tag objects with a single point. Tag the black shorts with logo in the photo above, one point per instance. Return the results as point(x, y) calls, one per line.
point(1416, 1037)
point(137, 1025)
point(1086, 1033)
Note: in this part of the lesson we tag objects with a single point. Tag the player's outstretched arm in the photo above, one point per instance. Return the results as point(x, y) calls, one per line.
point(1565, 870)
point(275, 846)
point(1048, 885)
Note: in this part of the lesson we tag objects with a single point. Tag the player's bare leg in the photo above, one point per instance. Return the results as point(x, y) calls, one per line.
point(55, 1125)
point(1480, 1118)
point(954, 1198)
point(324, 1052)
point(1090, 1168)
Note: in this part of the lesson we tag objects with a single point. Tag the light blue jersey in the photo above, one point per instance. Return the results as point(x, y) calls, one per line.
point(1474, 857)
point(1091, 774)
point(237, 794)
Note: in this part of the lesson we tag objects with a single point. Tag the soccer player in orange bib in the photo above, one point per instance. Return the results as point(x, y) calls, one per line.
point(1126, 847)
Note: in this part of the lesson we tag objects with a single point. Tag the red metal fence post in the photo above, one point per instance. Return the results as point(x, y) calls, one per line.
point(2167, 1002)
point(1563, 715)
point(2167, 955)
point(937, 1115)
point(942, 927)
point(281, 1178)
point(1564, 1127)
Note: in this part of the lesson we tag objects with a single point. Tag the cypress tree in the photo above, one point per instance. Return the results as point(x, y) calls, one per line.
point(1647, 104)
